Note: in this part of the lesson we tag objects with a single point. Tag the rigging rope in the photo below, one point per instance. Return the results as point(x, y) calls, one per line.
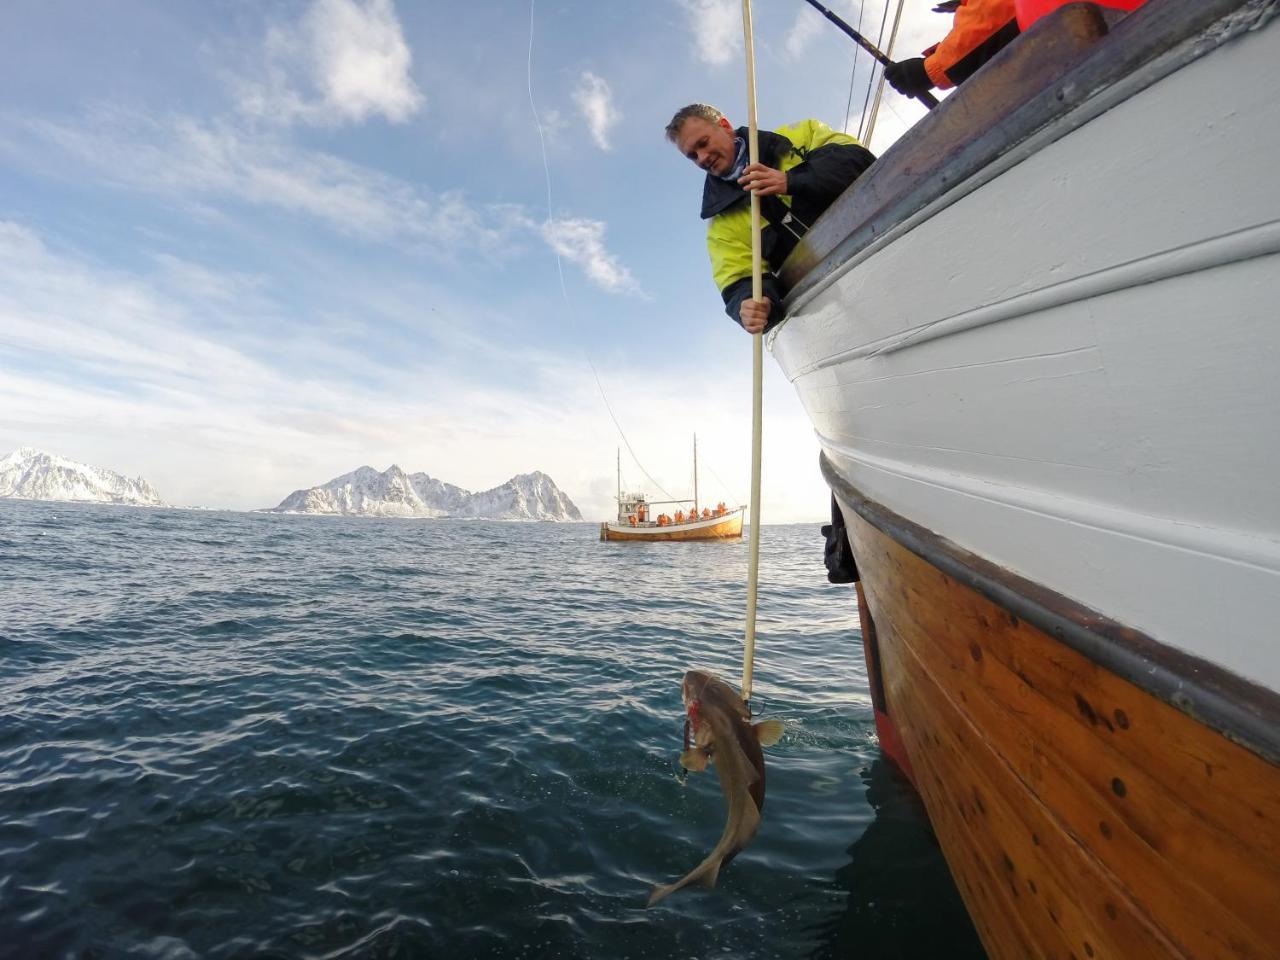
point(893, 37)
point(564, 292)
point(884, 19)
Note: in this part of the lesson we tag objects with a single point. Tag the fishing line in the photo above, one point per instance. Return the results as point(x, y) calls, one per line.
point(724, 486)
point(564, 291)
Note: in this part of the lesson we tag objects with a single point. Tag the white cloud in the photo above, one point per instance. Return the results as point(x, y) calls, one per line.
point(134, 373)
point(808, 24)
point(213, 167)
point(595, 101)
point(199, 163)
point(716, 26)
point(581, 241)
point(344, 62)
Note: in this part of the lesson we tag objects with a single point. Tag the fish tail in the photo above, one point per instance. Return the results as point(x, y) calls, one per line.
point(705, 873)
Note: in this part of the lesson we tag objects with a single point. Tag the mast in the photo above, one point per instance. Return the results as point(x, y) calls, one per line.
point(695, 474)
point(619, 511)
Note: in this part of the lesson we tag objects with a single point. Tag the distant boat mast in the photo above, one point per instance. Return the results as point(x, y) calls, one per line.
point(695, 474)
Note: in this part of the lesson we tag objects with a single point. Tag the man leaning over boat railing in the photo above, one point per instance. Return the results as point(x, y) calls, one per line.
point(804, 167)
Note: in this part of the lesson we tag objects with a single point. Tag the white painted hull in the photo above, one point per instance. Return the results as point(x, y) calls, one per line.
point(1070, 364)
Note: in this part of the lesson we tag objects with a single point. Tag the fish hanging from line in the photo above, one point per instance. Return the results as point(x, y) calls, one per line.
point(723, 735)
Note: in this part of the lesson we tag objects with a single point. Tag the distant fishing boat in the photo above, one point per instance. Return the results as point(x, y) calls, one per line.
point(636, 520)
point(1038, 341)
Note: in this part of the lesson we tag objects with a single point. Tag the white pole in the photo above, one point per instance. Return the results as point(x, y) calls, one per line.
point(757, 366)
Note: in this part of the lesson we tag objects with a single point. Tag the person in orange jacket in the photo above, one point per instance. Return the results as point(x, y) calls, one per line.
point(980, 29)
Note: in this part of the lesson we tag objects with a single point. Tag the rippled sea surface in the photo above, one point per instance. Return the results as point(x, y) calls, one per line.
point(239, 735)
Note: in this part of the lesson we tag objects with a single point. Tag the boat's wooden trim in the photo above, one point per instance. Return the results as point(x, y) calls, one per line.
point(1242, 711)
point(727, 527)
point(1081, 815)
point(963, 143)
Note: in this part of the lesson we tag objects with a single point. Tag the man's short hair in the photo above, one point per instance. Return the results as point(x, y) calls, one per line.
point(703, 110)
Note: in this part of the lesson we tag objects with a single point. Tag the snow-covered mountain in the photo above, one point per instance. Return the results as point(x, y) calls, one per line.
point(393, 493)
point(32, 474)
point(530, 496)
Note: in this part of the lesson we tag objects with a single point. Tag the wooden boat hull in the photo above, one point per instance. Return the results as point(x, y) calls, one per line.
point(1066, 362)
point(1081, 814)
point(727, 527)
point(1040, 359)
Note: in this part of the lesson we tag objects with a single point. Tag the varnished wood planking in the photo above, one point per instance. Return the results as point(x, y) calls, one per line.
point(1173, 861)
point(1158, 828)
point(1182, 854)
point(1055, 888)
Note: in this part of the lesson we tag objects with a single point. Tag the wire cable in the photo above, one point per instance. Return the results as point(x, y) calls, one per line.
point(884, 20)
point(853, 72)
point(564, 291)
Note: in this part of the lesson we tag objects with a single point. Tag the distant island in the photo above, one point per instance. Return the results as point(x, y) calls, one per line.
point(393, 493)
point(31, 474)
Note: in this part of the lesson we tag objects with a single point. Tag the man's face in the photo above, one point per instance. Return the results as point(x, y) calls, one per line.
point(709, 145)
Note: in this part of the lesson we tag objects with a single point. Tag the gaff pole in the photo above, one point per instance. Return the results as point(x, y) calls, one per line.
point(757, 365)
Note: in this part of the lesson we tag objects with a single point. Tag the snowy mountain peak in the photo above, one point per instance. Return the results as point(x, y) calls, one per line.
point(395, 493)
point(31, 474)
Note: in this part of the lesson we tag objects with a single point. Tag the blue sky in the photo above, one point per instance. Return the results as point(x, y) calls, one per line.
point(247, 247)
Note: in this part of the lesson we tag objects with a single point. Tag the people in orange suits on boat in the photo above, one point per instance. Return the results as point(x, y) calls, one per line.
point(706, 513)
point(663, 519)
point(720, 509)
point(981, 28)
point(679, 516)
point(632, 519)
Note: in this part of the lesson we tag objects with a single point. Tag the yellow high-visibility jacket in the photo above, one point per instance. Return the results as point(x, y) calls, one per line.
point(819, 163)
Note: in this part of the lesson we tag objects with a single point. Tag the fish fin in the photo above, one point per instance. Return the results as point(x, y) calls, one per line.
point(694, 759)
point(769, 732)
point(660, 893)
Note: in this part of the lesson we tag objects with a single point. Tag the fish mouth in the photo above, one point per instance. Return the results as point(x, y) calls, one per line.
point(694, 684)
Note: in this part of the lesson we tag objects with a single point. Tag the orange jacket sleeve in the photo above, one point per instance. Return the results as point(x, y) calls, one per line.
point(980, 29)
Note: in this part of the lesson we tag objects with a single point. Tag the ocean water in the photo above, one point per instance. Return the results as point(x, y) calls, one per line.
point(236, 735)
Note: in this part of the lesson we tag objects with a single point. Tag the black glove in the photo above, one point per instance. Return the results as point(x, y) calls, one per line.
point(908, 77)
point(837, 554)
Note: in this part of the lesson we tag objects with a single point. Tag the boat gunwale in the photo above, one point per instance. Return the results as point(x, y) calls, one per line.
point(1134, 55)
point(1242, 711)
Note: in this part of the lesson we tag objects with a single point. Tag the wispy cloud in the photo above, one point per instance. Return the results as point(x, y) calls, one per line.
point(716, 26)
point(121, 368)
point(808, 24)
point(344, 62)
point(217, 167)
point(221, 163)
point(581, 241)
point(595, 101)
